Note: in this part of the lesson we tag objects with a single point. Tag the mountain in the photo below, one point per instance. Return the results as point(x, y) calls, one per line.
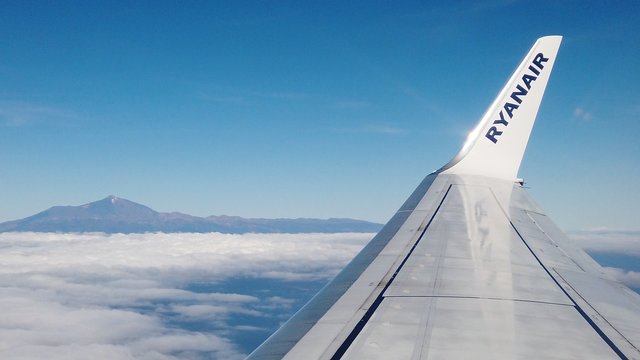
point(117, 215)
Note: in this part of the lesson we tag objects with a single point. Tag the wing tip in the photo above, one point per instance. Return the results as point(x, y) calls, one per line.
point(503, 160)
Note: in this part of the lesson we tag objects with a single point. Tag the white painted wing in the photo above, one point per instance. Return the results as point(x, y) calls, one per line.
point(470, 267)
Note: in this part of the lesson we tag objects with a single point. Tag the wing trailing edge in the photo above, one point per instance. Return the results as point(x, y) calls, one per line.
point(495, 147)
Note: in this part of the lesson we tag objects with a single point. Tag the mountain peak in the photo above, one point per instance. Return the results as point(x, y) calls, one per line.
point(111, 199)
point(119, 207)
point(115, 214)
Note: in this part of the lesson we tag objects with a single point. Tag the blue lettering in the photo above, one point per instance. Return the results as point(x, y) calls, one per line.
point(528, 79)
point(517, 96)
point(502, 120)
point(522, 92)
point(539, 59)
point(492, 133)
point(509, 107)
point(534, 70)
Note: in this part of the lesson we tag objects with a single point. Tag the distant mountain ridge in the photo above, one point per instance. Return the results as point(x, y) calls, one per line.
point(117, 215)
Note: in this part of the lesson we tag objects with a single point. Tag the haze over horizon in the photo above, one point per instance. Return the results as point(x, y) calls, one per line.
point(306, 110)
point(114, 215)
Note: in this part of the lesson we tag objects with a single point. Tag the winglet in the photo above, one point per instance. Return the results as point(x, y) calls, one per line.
point(496, 145)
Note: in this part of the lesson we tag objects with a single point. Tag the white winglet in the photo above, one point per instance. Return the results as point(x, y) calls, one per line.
point(496, 146)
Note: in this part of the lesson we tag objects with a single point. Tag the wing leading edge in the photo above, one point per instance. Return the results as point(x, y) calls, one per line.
point(470, 266)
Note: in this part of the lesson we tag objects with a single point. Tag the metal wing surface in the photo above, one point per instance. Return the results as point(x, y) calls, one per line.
point(470, 266)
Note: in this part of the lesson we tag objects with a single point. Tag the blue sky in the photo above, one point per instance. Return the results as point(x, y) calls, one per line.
point(294, 109)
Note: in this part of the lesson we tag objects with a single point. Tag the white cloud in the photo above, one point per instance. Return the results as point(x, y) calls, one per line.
point(629, 278)
point(580, 113)
point(184, 345)
point(618, 242)
point(352, 104)
point(373, 129)
point(248, 328)
point(17, 113)
point(282, 95)
point(201, 312)
point(79, 296)
point(385, 129)
point(608, 241)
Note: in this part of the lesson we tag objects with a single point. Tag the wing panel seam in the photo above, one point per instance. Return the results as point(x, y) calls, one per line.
point(477, 298)
point(367, 316)
point(596, 311)
point(595, 327)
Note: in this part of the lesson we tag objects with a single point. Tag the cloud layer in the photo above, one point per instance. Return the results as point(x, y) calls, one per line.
point(610, 245)
point(608, 241)
point(167, 296)
point(80, 296)
point(628, 277)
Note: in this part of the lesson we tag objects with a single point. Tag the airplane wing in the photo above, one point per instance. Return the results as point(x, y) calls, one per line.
point(470, 266)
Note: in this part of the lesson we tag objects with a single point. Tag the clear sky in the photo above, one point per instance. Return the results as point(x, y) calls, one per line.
point(296, 109)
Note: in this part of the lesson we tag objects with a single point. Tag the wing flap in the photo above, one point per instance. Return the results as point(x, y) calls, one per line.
point(610, 305)
point(464, 328)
